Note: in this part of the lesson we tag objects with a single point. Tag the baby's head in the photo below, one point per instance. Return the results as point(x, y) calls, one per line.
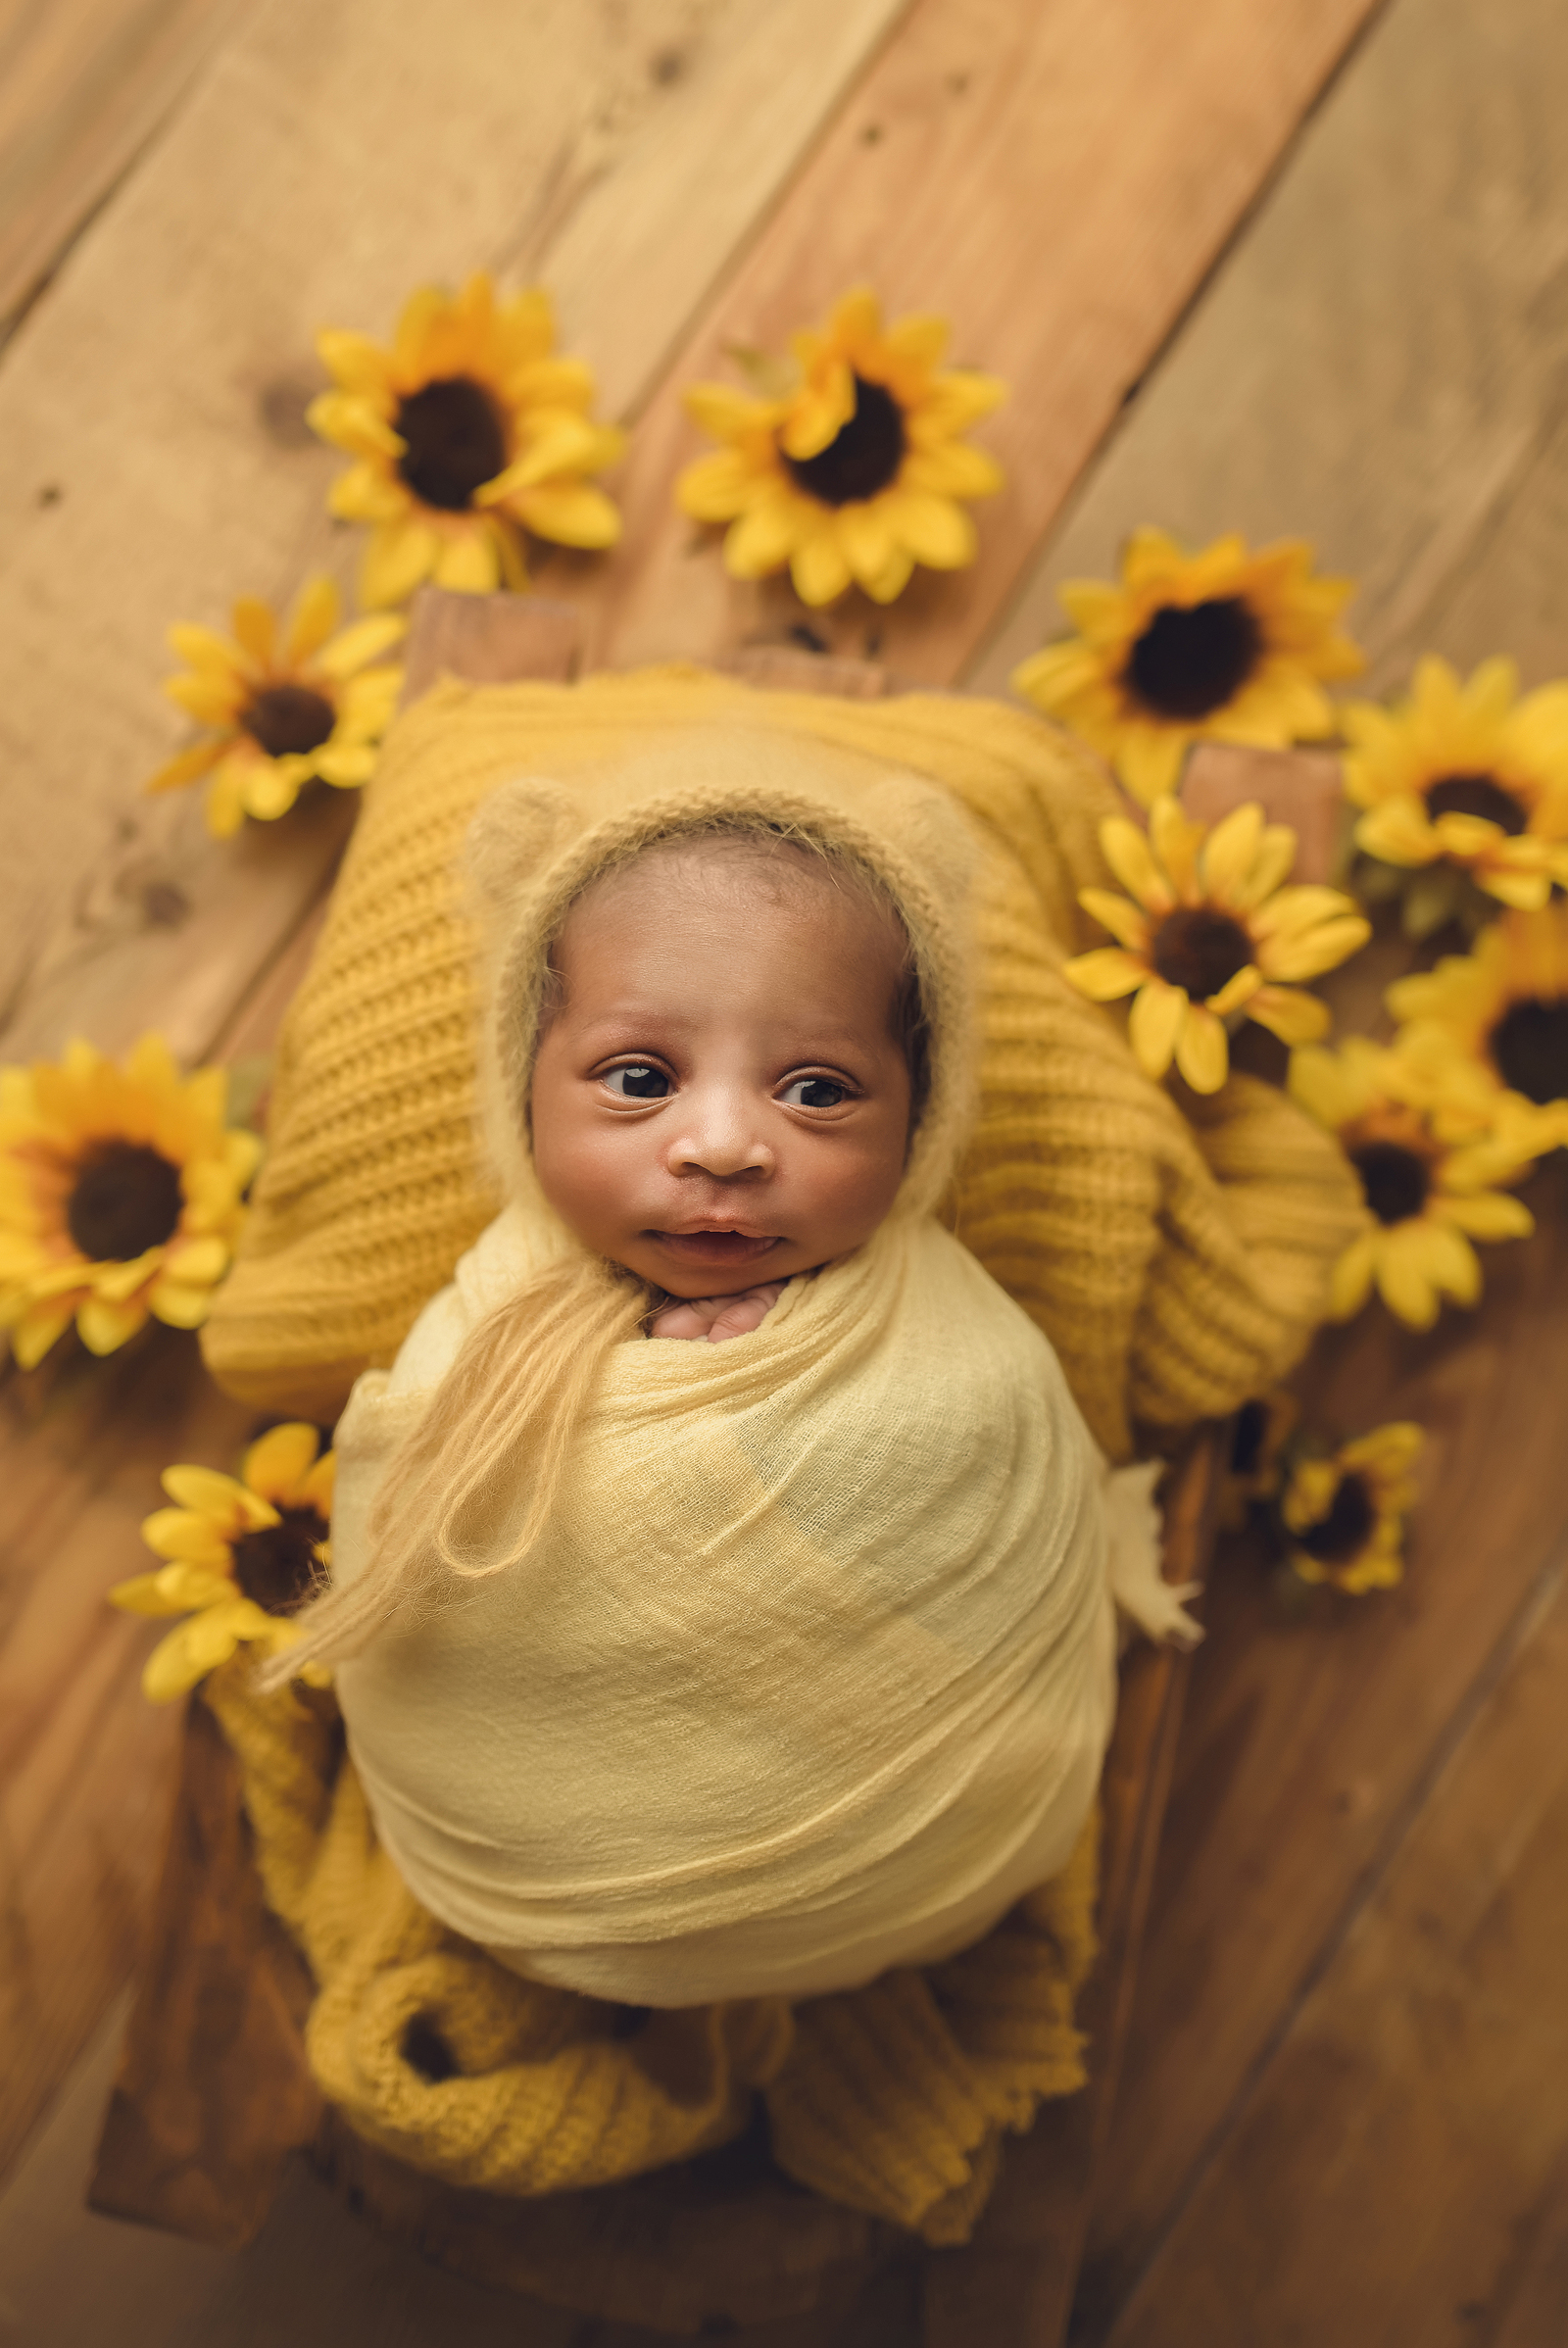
point(729, 1062)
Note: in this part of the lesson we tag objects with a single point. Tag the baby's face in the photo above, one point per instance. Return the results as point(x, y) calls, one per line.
point(721, 1099)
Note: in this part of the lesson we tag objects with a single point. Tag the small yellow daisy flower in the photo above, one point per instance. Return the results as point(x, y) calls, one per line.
point(120, 1195)
point(1465, 780)
point(1345, 1515)
point(1208, 935)
point(1427, 1198)
point(855, 473)
point(1503, 1009)
point(286, 708)
point(468, 432)
point(243, 1556)
point(1221, 646)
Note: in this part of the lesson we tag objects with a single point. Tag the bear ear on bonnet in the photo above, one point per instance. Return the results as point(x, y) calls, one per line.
point(515, 831)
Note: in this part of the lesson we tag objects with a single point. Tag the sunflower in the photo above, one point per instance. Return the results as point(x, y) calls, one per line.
point(1464, 783)
point(120, 1195)
point(1221, 646)
point(286, 708)
point(1211, 935)
point(1502, 1011)
point(470, 430)
point(1263, 1428)
point(1427, 1198)
point(243, 1555)
point(1343, 1515)
point(854, 471)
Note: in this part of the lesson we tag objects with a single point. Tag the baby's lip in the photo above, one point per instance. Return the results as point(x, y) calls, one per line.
point(705, 1243)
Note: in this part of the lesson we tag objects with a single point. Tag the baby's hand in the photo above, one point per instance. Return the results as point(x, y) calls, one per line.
point(717, 1317)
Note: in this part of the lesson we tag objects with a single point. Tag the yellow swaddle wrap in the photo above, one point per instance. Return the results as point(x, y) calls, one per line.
point(812, 1677)
point(812, 1671)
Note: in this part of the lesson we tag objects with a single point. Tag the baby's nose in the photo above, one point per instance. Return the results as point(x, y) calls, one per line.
point(719, 1138)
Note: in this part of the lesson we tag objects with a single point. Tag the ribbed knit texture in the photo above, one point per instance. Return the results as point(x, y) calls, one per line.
point(892, 2100)
point(1176, 1267)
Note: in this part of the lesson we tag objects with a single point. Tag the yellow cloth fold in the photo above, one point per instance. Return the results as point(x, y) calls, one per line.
point(893, 2099)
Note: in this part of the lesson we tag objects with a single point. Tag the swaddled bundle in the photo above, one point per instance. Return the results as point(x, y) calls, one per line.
point(808, 1669)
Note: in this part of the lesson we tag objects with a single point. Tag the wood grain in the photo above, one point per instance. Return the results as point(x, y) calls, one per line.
point(979, 118)
point(1409, 2087)
point(1378, 365)
point(1310, 1744)
point(329, 162)
point(84, 85)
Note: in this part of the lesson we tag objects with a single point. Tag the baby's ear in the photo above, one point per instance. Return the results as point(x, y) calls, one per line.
point(518, 830)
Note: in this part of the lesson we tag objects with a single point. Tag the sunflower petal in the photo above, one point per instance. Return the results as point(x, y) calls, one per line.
point(277, 1464)
point(1127, 923)
point(314, 616)
point(399, 556)
point(1202, 1050)
point(1295, 1018)
point(1106, 973)
point(1350, 1281)
point(356, 647)
point(819, 570)
point(570, 513)
point(1126, 850)
point(1158, 1013)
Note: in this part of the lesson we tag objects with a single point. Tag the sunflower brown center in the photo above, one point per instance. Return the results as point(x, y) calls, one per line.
point(453, 442)
point(1530, 1047)
point(1192, 658)
point(1477, 795)
point(127, 1198)
point(1346, 1531)
point(862, 456)
point(289, 718)
point(1199, 949)
point(1396, 1180)
point(276, 1565)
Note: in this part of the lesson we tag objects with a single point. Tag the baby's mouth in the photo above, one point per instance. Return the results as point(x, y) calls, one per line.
point(715, 1247)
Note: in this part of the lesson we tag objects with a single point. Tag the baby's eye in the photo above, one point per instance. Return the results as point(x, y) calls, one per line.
point(813, 1091)
point(638, 1083)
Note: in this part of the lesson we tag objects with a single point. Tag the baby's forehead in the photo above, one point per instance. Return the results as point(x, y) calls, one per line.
point(701, 872)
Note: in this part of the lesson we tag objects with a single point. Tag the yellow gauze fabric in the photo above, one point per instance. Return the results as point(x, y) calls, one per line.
point(1176, 1267)
point(812, 1672)
point(892, 2100)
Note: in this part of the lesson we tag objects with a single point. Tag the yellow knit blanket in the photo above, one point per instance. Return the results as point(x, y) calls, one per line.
point(1176, 1262)
point(892, 2100)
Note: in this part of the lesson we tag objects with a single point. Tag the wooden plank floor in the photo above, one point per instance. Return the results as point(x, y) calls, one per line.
point(1342, 2118)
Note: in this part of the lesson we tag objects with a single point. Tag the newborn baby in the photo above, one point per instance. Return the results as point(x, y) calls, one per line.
point(756, 1663)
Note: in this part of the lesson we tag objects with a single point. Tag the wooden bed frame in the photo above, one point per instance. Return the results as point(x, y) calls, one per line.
point(214, 2096)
